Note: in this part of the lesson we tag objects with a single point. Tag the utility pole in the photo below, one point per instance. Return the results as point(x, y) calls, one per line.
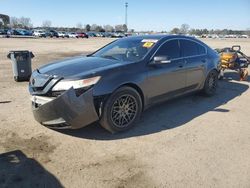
point(126, 14)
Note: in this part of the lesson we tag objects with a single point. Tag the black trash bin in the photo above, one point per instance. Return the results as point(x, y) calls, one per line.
point(21, 64)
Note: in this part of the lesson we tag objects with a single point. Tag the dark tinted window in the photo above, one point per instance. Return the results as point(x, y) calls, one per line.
point(126, 50)
point(190, 48)
point(202, 49)
point(170, 49)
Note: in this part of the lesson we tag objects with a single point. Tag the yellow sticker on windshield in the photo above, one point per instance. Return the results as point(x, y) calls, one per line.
point(148, 44)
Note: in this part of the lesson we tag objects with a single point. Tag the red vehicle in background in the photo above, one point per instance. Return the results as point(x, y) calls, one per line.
point(82, 35)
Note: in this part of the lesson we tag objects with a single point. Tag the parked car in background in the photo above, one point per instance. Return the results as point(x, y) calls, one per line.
point(115, 84)
point(39, 33)
point(118, 35)
point(71, 35)
point(91, 34)
point(243, 36)
point(61, 34)
point(48, 34)
point(82, 35)
point(53, 33)
point(27, 32)
point(107, 34)
point(3, 31)
point(98, 34)
point(20, 32)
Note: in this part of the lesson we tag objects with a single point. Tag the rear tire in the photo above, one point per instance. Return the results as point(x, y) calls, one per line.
point(121, 110)
point(211, 83)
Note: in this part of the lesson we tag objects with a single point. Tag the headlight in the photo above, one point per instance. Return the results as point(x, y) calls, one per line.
point(76, 84)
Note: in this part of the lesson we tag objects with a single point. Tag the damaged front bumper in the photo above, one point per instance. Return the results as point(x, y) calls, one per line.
point(65, 111)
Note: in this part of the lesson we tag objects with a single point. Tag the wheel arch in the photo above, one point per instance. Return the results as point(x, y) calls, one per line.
point(100, 100)
point(212, 69)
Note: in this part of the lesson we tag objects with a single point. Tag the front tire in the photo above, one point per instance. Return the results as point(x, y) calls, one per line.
point(211, 83)
point(121, 110)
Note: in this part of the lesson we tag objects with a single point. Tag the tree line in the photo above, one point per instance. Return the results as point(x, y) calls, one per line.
point(185, 29)
point(26, 23)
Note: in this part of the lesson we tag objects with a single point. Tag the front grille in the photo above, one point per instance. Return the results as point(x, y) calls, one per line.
point(39, 82)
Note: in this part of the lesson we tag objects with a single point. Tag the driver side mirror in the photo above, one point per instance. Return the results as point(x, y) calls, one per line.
point(161, 60)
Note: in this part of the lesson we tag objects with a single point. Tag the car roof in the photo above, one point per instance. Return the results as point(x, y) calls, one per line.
point(159, 37)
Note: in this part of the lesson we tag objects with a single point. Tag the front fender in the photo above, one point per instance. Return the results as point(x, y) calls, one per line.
point(113, 80)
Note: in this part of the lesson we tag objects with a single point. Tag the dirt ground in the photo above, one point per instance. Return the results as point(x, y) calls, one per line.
point(192, 141)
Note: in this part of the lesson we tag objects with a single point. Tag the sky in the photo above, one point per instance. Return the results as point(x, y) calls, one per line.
point(143, 15)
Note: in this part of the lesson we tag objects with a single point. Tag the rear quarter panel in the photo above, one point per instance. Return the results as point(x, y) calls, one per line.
point(213, 63)
point(214, 60)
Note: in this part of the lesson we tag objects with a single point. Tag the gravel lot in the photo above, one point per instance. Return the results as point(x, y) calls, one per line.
point(192, 141)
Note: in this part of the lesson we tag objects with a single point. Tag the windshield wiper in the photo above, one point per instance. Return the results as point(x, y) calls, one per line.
point(109, 57)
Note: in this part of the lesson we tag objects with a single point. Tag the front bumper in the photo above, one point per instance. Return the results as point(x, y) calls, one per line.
point(66, 111)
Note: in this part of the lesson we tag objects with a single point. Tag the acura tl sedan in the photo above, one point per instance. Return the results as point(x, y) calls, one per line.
point(115, 84)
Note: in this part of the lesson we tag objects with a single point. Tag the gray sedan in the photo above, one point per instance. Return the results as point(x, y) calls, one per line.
point(115, 84)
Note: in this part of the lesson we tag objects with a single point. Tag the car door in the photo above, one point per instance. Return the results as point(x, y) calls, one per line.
point(166, 80)
point(195, 59)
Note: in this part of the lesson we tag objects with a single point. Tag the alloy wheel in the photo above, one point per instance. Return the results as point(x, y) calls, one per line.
point(124, 110)
point(212, 82)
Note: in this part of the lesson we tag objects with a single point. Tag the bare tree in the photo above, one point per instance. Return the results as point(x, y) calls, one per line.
point(79, 25)
point(46, 24)
point(175, 30)
point(184, 28)
point(93, 27)
point(20, 22)
point(125, 28)
point(119, 28)
point(87, 27)
point(108, 28)
point(14, 22)
point(25, 22)
point(99, 29)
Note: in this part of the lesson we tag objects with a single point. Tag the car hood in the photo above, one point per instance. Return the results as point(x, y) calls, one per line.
point(78, 66)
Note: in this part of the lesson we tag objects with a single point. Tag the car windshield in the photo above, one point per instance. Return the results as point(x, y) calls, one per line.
point(126, 50)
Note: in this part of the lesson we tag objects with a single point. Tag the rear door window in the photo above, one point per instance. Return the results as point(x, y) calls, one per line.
point(202, 49)
point(190, 48)
point(170, 49)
